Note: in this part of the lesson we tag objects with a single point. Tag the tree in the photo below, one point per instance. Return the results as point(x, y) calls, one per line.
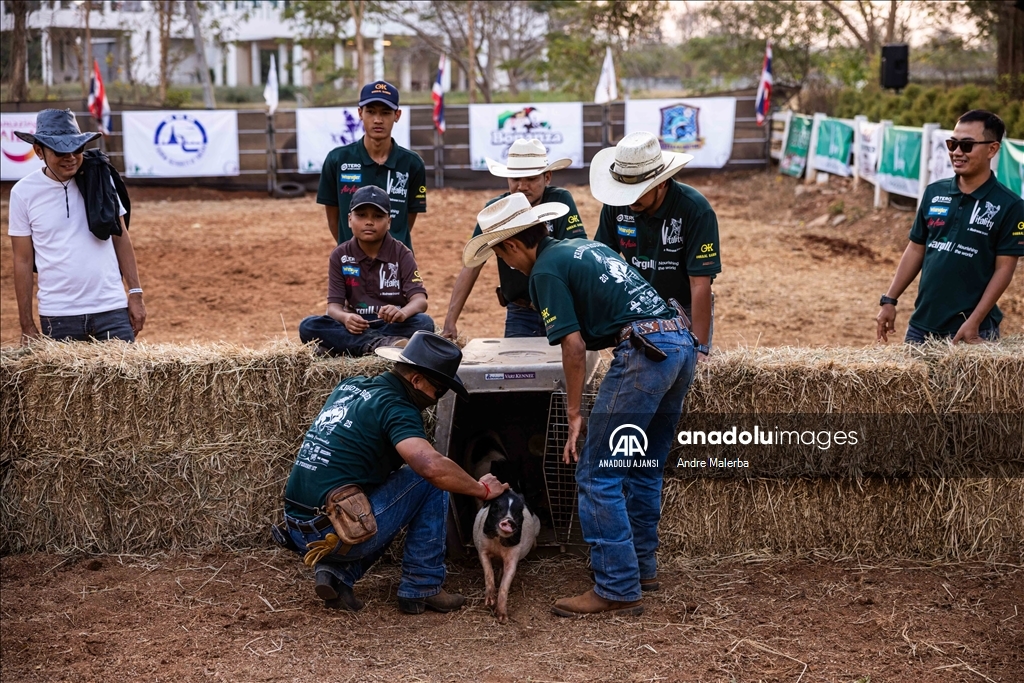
point(1002, 20)
point(578, 33)
point(321, 25)
point(204, 70)
point(165, 18)
point(19, 51)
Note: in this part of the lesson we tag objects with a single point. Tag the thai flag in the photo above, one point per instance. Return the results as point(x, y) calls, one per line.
point(99, 107)
point(437, 92)
point(763, 102)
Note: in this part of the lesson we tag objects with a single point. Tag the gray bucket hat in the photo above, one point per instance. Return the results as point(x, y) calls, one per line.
point(58, 130)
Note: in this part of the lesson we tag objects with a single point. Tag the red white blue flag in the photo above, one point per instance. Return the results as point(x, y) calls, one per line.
point(763, 102)
point(437, 93)
point(98, 105)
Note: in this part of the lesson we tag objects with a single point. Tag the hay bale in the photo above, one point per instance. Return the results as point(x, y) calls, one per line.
point(875, 517)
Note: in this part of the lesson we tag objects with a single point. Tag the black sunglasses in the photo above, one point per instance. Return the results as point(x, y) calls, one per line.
point(966, 145)
point(61, 155)
point(439, 390)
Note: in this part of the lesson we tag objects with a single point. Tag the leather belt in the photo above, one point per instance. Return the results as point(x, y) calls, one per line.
point(650, 327)
point(314, 526)
point(525, 303)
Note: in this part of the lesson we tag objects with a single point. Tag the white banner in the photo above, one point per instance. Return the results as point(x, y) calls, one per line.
point(180, 144)
point(318, 130)
point(939, 166)
point(17, 159)
point(494, 127)
point(867, 156)
point(701, 126)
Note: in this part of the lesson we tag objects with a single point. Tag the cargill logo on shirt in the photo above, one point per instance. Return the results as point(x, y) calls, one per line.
point(941, 246)
point(627, 230)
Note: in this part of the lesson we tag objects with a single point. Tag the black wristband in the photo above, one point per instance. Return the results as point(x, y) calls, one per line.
point(887, 300)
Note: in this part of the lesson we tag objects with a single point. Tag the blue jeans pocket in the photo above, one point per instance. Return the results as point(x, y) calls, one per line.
point(651, 377)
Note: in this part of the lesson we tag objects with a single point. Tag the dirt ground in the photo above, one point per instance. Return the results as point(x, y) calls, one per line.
point(246, 269)
point(255, 617)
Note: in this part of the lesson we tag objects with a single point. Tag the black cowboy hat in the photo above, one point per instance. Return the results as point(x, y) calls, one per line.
point(58, 130)
point(433, 355)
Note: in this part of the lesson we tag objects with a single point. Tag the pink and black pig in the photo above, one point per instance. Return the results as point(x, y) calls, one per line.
point(504, 530)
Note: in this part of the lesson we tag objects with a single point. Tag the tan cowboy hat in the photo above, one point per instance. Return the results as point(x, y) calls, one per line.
point(503, 219)
point(620, 175)
point(526, 158)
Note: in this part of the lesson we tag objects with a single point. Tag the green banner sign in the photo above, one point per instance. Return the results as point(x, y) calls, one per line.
point(832, 153)
point(1010, 169)
point(899, 170)
point(798, 143)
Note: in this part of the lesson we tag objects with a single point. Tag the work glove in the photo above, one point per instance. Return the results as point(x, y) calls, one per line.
point(318, 549)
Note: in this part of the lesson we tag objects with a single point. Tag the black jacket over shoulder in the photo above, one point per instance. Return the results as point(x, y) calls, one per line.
point(101, 186)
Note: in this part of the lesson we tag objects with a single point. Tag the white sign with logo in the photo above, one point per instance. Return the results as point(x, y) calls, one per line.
point(17, 159)
point(494, 127)
point(867, 155)
point(318, 130)
point(180, 144)
point(701, 126)
point(939, 165)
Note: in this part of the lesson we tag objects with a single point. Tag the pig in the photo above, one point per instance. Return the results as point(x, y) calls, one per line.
point(505, 529)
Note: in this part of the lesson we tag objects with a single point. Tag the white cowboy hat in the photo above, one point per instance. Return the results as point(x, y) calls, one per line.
point(526, 158)
point(620, 175)
point(503, 219)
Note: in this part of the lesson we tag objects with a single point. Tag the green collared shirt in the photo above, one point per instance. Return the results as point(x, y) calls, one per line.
point(584, 286)
point(353, 440)
point(679, 240)
point(515, 285)
point(403, 176)
point(962, 235)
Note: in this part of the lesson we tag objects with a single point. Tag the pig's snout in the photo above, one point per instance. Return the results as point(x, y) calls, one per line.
point(506, 527)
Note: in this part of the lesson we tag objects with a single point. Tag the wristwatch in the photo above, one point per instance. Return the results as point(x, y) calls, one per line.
point(886, 300)
point(701, 348)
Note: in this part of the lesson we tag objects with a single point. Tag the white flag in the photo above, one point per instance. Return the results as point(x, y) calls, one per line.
point(270, 91)
point(606, 88)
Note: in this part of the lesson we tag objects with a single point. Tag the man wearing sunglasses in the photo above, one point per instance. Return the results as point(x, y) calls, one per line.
point(965, 242)
point(81, 295)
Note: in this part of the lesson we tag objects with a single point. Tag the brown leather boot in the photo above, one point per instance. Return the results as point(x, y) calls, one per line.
point(646, 585)
point(442, 602)
point(592, 603)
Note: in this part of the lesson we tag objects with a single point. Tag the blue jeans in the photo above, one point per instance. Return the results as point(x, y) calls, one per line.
point(405, 499)
point(103, 326)
point(620, 506)
point(333, 335)
point(522, 321)
point(915, 335)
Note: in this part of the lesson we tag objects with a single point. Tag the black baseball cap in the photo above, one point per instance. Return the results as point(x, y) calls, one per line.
point(371, 194)
point(379, 91)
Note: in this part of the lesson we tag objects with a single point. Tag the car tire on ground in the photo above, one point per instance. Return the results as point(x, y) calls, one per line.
point(289, 190)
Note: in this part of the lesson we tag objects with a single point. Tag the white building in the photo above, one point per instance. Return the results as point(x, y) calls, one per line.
point(239, 35)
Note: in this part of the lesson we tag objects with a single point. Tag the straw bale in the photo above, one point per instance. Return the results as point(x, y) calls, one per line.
point(875, 517)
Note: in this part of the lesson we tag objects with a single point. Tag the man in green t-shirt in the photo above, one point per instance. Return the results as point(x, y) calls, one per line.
point(374, 159)
point(369, 429)
point(589, 298)
point(965, 242)
point(528, 171)
point(665, 229)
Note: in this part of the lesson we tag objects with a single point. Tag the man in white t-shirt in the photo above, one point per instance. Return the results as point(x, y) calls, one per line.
point(81, 296)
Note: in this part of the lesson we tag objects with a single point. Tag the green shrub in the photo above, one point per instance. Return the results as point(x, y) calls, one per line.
point(176, 97)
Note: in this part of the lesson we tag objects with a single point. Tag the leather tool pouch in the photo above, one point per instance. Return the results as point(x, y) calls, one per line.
point(651, 352)
point(501, 298)
point(351, 514)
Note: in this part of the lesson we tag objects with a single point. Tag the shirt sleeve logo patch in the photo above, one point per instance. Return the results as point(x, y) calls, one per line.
point(938, 210)
point(351, 177)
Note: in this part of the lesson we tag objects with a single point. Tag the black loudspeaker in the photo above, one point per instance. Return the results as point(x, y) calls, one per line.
point(895, 62)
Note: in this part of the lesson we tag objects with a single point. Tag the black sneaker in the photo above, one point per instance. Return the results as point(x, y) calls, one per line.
point(442, 602)
point(335, 594)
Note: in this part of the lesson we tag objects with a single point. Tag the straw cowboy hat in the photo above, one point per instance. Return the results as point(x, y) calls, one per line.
point(526, 158)
point(503, 219)
point(431, 354)
point(58, 130)
point(620, 175)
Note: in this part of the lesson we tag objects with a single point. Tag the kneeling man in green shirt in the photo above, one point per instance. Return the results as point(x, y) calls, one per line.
point(965, 242)
point(370, 433)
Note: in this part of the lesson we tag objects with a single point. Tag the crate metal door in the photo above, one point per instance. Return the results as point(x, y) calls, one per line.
point(560, 478)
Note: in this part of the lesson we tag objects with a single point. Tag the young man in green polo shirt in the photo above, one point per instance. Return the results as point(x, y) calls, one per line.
point(374, 159)
point(528, 171)
point(367, 430)
point(590, 298)
point(965, 242)
point(665, 229)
